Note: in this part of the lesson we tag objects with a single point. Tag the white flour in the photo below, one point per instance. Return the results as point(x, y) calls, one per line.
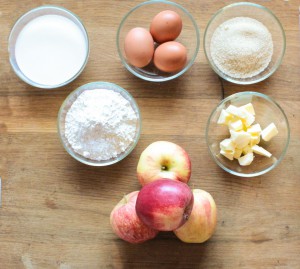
point(100, 124)
point(241, 47)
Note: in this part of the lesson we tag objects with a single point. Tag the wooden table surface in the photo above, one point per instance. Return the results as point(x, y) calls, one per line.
point(55, 210)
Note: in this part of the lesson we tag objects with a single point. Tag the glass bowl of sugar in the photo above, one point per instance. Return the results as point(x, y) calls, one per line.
point(48, 47)
point(247, 134)
point(244, 43)
point(99, 123)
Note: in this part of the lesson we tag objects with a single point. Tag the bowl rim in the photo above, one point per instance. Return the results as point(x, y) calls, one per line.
point(95, 85)
point(271, 100)
point(190, 63)
point(234, 80)
point(19, 73)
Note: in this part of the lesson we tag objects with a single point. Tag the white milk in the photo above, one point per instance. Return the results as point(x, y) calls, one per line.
point(50, 49)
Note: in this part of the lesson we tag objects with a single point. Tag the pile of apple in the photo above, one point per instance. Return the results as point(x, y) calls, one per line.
point(165, 202)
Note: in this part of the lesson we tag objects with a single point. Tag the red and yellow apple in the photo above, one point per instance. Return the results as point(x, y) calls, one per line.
point(164, 204)
point(126, 224)
point(163, 159)
point(202, 221)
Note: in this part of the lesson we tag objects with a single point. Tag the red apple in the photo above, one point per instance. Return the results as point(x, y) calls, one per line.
point(163, 159)
point(126, 224)
point(164, 204)
point(202, 221)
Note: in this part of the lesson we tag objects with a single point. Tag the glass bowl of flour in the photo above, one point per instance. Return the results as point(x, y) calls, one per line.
point(48, 47)
point(99, 123)
point(244, 43)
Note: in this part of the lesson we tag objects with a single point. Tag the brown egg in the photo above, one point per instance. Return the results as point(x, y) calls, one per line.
point(170, 56)
point(139, 47)
point(166, 26)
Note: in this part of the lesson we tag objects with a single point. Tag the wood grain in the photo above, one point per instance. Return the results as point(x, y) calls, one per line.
point(55, 210)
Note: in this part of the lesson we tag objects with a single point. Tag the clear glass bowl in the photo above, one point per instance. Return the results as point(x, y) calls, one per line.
point(254, 11)
point(141, 16)
point(68, 103)
point(266, 112)
point(23, 21)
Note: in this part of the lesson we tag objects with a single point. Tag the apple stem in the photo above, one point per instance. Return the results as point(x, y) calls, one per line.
point(125, 198)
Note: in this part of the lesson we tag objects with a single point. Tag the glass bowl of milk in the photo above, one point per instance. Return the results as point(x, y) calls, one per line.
point(48, 47)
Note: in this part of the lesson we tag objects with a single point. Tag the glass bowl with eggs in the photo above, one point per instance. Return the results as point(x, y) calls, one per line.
point(244, 43)
point(99, 123)
point(158, 40)
point(247, 134)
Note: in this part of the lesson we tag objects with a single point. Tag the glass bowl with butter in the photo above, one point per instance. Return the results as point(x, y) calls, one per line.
point(247, 134)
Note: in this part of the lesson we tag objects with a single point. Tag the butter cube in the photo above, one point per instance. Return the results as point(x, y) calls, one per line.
point(249, 107)
point(269, 132)
point(246, 159)
point(245, 137)
point(249, 119)
point(224, 117)
point(255, 129)
point(237, 112)
point(255, 139)
point(227, 145)
point(240, 139)
point(247, 149)
point(227, 154)
point(241, 113)
point(237, 153)
point(236, 125)
point(261, 151)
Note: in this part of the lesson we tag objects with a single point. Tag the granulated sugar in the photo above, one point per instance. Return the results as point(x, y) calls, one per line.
point(100, 124)
point(241, 47)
